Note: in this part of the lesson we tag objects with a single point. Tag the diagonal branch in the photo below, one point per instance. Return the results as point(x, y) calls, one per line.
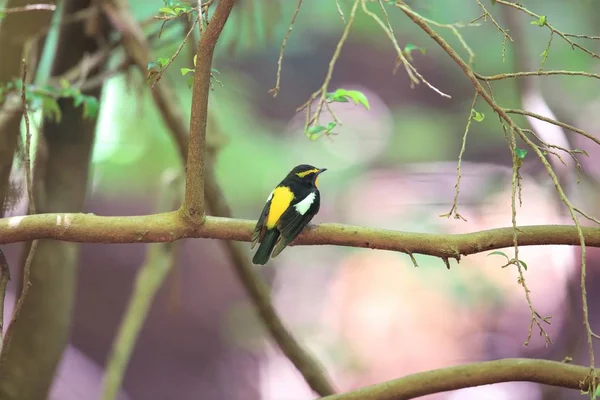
point(476, 374)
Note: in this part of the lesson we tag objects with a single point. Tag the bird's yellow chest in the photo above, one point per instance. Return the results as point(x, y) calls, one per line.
point(280, 201)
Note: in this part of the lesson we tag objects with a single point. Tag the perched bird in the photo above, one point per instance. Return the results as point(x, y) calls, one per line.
point(290, 207)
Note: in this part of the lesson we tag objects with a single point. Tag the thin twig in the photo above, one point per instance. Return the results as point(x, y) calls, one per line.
point(172, 58)
point(414, 75)
point(454, 208)
point(275, 90)
point(554, 122)
point(550, 27)
point(4, 278)
point(504, 116)
point(322, 92)
point(24, 290)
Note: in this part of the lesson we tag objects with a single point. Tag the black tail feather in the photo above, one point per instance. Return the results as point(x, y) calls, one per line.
point(266, 247)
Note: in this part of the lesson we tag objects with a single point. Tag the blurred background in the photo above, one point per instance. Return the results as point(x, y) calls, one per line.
point(367, 315)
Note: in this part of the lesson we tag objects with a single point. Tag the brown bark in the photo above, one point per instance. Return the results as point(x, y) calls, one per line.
point(15, 30)
point(39, 332)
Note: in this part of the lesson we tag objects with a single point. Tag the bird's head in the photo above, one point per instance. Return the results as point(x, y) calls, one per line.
point(307, 173)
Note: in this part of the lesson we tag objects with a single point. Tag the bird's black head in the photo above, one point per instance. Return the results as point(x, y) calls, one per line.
point(306, 173)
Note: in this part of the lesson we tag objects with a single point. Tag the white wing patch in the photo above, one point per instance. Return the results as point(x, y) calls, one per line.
point(270, 196)
point(303, 206)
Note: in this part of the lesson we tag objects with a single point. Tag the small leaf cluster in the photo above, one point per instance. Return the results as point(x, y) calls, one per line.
point(46, 97)
point(508, 260)
point(339, 96)
point(176, 9)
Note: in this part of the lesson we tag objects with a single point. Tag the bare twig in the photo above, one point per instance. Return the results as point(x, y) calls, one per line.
point(275, 90)
point(504, 32)
point(4, 278)
point(552, 29)
point(322, 92)
point(413, 74)
point(172, 58)
point(514, 128)
point(554, 122)
point(454, 209)
point(24, 291)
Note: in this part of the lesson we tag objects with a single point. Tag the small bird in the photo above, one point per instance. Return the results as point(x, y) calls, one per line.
point(290, 207)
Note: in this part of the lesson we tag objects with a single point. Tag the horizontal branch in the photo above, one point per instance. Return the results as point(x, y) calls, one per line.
point(168, 227)
point(445, 379)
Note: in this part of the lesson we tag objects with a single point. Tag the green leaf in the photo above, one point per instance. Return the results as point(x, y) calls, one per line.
point(330, 126)
point(342, 95)
point(91, 106)
point(521, 153)
point(409, 48)
point(195, 56)
point(540, 22)
point(522, 263)
point(499, 253)
point(163, 61)
point(2, 14)
point(167, 10)
point(182, 8)
point(337, 99)
point(185, 71)
point(476, 115)
point(315, 129)
point(51, 109)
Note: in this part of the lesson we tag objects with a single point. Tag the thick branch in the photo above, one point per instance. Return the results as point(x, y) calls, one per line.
point(193, 205)
point(168, 227)
point(470, 375)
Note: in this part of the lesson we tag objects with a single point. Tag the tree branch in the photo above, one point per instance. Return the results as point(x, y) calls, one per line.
point(215, 201)
point(476, 374)
point(193, 204)
point(167, 227)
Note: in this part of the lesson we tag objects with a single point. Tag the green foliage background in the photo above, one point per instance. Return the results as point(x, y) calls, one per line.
point(133, 145)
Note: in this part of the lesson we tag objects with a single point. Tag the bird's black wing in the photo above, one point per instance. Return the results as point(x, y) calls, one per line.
point(258, 232)
point(293, 222)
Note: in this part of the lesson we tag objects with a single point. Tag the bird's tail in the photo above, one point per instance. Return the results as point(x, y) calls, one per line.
point(266, 247)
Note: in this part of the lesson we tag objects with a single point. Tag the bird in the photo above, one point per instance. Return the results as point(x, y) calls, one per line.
point(289, 208)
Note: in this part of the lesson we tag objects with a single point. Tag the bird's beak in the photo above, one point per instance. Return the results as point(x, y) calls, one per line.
point(321, 171)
